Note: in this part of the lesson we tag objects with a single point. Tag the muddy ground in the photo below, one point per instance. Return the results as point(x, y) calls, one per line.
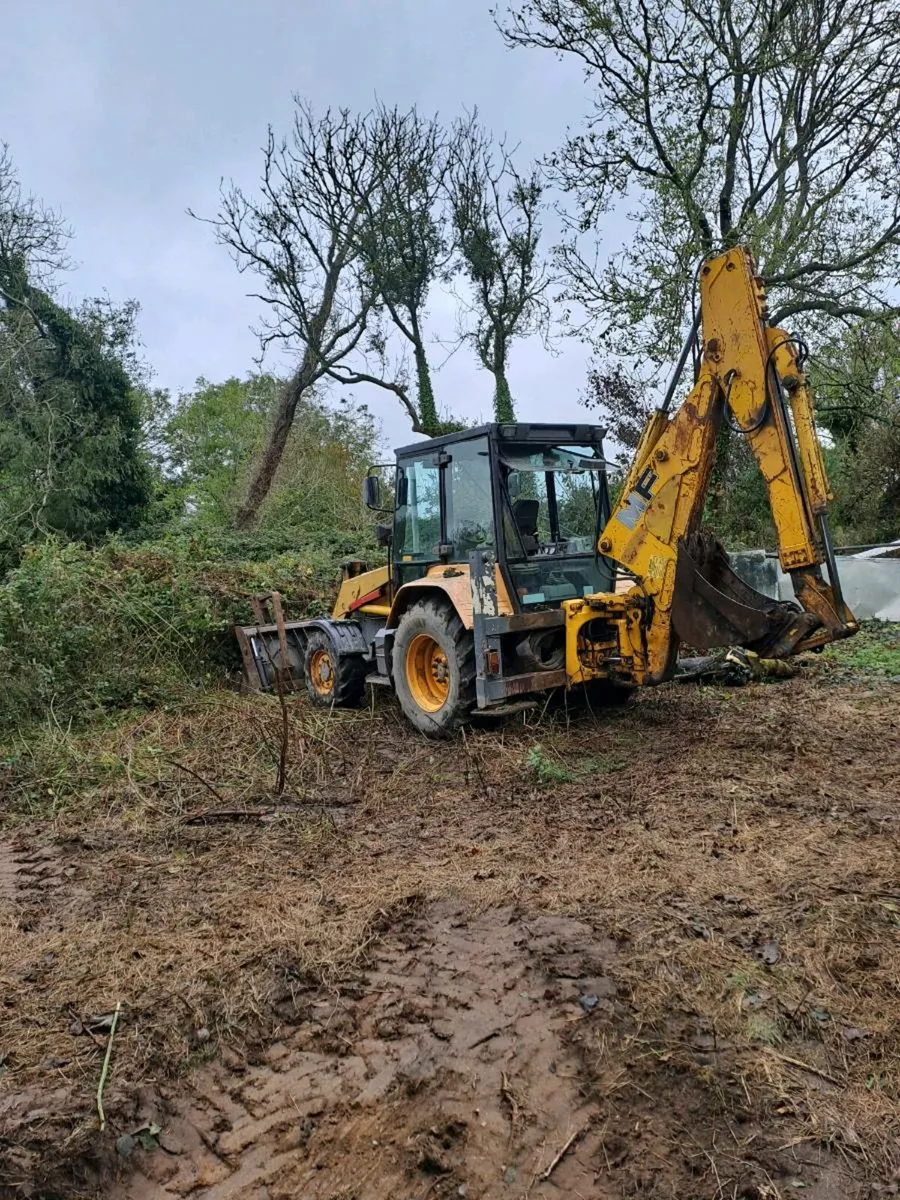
point(648, 952)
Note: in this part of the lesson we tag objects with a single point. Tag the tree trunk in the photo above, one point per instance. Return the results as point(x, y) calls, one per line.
point(428, 417)
point(311, 368)
point(504, 412)
point(270, 458)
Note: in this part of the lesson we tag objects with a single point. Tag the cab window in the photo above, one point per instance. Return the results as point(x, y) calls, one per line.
point(470, 509)
point(418, 512)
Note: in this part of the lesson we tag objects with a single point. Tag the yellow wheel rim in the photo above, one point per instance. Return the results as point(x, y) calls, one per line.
point(427, 673)
point(321, 672)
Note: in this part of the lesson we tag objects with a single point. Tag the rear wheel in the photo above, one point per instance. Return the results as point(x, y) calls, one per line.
point(434, 668)
point(331, 678)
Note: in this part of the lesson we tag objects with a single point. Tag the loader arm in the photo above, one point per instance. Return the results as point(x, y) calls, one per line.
point(750, 374)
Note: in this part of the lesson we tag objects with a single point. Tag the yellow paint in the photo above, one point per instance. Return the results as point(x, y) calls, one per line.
point(675, 456)
point(360, 585)
point(584, 659)
point(321, 672)
point(454, 581)
point(427, 673)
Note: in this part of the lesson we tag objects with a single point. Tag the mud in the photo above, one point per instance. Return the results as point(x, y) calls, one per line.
point(457, 1067)
point(28, 877)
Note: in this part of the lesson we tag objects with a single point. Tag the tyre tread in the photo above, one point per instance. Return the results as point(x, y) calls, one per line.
point(350, 674)
point(443, 613)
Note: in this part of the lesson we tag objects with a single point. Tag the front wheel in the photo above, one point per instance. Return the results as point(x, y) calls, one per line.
point(434, 668)
point(331, 678)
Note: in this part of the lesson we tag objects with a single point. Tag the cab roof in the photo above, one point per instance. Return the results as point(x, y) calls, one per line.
point(518, 431)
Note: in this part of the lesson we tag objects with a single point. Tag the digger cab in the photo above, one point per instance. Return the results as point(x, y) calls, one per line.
point(534, 496)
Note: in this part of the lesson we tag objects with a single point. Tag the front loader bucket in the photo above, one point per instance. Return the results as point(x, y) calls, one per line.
point(713, 606)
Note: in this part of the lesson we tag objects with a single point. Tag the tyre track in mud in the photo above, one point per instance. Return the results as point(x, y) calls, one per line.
point(28, 877)
point(446, 1068)
point(459, 1066)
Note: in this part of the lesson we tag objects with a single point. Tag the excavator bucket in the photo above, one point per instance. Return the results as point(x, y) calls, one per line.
point(713, 606)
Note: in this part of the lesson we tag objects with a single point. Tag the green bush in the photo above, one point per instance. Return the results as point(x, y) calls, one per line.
point(85, 630)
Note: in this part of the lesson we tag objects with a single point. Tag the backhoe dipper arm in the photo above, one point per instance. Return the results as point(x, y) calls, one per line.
point(751, 373)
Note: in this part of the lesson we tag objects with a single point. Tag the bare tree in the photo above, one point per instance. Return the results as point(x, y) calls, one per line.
point(495, 213)
point(32, 236)
point(301, 235)
point(772, 122)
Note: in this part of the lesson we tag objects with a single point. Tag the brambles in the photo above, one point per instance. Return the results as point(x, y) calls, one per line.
point(87, 631)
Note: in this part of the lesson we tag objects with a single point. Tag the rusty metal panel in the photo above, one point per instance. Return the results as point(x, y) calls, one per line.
point(535, 681)
point(484, 584)
point(251, 674)
point(525, 622)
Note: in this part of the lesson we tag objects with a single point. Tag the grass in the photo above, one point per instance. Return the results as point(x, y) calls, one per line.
point(551, 769)
point(875, 650)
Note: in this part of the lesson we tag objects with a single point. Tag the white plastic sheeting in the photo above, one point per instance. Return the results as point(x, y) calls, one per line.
point(871, 584)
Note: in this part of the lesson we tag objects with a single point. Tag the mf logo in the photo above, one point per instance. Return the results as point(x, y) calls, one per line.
point(638, 498)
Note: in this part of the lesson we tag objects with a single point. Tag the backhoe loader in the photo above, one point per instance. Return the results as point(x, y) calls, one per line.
point(510, 573)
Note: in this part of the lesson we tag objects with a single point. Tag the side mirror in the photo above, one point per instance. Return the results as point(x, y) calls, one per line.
point(372, 492)
point(384, 534)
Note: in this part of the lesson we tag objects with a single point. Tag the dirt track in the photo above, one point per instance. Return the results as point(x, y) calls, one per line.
point(655, 957)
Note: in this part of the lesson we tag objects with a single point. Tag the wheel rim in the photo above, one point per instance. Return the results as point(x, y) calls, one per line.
point(321, 672)
point(427, 673)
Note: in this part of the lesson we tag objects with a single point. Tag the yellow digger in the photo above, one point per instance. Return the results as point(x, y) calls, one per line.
point(509, 572)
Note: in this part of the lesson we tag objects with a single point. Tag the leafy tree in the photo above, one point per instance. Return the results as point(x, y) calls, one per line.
point(623, 405)
point(857, 381)
point(211, 436)
point(71, 460)
point(771, 122)
point(495, 212)
point(214, 434)
point(404, 240)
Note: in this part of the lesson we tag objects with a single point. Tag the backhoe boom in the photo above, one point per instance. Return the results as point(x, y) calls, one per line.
point(751, 374)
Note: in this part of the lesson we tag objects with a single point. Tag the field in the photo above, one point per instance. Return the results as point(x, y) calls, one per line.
point(648, 952)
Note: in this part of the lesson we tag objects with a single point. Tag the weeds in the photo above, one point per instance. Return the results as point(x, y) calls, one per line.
point(875, 650)
point(84, 632)
point(549, 769)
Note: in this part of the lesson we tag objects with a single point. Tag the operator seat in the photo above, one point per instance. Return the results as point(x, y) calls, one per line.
point(525, 515)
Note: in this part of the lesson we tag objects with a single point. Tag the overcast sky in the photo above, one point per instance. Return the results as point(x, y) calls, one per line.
point(123, 114)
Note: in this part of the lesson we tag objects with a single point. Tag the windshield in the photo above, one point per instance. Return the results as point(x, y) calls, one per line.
point(553, 493)
point(555, 499)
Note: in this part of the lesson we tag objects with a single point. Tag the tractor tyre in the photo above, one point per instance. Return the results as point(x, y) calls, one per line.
point(434, 668)
point(332, 679)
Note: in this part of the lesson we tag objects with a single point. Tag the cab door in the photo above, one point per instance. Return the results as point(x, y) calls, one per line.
point(418, 521)
point(468, 500)
point(444, 508)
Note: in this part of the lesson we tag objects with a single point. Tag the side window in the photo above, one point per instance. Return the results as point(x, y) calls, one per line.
point(470, 510)
point(418, 513)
